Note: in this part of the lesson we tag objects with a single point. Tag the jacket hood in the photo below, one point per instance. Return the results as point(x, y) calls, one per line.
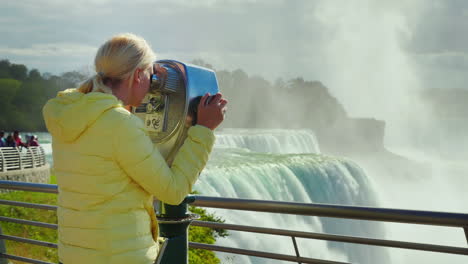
point(69, 114)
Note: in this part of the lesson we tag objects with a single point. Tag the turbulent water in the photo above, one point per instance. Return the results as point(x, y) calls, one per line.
point(285, 165)
point(270, 141)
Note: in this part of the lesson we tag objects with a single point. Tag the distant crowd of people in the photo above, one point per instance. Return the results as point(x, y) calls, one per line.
point(14, 140)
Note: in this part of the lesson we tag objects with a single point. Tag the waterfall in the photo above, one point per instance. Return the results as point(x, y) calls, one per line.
point(285, 165)
point(269, 141)
point(258, 164)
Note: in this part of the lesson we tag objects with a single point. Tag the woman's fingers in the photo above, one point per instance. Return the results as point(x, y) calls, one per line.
point(223, 102)
point(203, 100)
point(216, 98)
point(212, 114)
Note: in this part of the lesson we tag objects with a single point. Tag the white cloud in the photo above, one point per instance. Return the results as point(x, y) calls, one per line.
point(50, 49)
point(272, 38)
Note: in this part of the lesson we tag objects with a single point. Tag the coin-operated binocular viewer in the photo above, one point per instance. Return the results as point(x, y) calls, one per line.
point(170, 107)
point(168, 111)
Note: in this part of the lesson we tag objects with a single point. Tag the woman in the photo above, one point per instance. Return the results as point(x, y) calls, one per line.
point(107, 167)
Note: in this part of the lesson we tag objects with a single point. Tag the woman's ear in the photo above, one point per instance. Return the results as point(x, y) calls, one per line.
point(137, 77)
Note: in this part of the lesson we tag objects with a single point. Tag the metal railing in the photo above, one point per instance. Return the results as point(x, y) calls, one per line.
point(175, 217)
point(12, 158)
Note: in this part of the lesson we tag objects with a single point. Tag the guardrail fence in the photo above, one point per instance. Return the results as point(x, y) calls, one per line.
point(175, 219)
point(12, 158)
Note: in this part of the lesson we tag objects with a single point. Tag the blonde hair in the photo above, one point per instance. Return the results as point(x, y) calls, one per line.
point(116, 60)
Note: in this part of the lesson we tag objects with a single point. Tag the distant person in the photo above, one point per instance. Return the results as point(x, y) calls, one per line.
point(108, 169)
point(10, 141)
point(17, 138)
point(33, 142)
point(2, 139)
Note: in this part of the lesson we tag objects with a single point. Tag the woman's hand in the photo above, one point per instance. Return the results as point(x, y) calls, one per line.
point(212, 114)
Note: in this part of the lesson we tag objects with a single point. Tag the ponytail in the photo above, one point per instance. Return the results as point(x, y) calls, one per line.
point(97, 84)
point(86, 86)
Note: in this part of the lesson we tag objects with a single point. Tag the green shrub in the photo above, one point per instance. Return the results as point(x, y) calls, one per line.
point(204, 235)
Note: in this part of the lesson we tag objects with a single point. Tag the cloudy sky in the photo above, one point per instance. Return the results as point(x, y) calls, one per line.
point(372, 50)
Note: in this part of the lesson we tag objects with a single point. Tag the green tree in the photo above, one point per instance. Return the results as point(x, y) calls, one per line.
point(8, 90)
point(18, 72)
point(34, 75)
point(23, 93)
point(5, 69)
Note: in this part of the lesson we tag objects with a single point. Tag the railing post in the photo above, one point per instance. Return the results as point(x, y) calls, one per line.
point(20, 158)
point(173, 225)
point(42, 155)
point(33, 160)
point(2, 249)
point(3, 168)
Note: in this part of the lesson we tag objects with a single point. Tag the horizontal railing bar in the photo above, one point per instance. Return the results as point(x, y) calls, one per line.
point(361, 213)
point(30, 187)
point(29, 241)
point(29, 205)
point(23, 259)
point(337, 238)
point(338, 211)
point(262, 254)
point(28, 222)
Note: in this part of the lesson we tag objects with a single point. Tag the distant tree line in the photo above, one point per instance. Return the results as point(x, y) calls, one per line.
point(254, 101)
point(23, 93)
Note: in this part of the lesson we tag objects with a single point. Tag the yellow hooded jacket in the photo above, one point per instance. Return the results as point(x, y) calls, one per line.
point(108, 171)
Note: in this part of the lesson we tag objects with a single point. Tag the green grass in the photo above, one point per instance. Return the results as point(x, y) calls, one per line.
point(196, 234)
point(53, 179)
point(27, 231)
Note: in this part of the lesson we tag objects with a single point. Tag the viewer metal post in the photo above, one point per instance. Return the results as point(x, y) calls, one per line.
point(173, 225)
